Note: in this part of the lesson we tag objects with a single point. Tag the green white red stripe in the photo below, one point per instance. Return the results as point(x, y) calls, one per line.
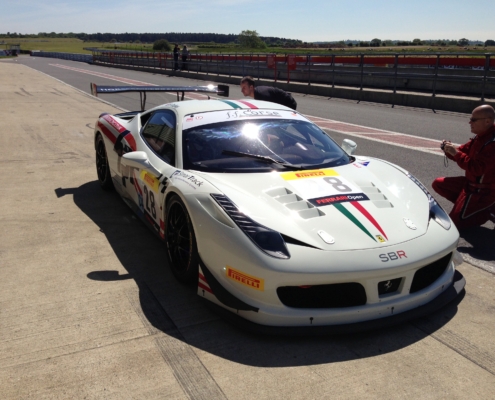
point(369, 217)
point(355, 221)
point(236, 105)
point(347, 213)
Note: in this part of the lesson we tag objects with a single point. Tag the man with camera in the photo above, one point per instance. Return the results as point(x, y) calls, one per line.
point(473, 195)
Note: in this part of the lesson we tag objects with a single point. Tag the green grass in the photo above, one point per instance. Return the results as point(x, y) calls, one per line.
point(78, 46)
point(58, 45)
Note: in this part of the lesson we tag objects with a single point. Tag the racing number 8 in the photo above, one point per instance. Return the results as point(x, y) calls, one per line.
point(337, 184)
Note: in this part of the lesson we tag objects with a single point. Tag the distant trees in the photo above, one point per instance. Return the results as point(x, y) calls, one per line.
point(415, 42)
point(246, 39)
point(251, 40)
point(340, 43)
point(162, 45)
point(375, 43)
point(171, 37)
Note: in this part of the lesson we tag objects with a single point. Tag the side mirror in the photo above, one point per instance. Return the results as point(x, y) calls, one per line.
point(139, 160)
point(349, 146)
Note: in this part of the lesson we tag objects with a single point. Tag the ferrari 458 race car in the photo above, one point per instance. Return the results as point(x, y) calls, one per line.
point(277, 225)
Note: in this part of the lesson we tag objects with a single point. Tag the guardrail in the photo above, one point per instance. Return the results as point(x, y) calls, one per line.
point(65, 56)
point(461, 74)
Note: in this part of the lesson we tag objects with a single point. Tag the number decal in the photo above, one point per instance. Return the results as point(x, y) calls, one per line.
point(146, 195)
point(337, 184)
point(150, 201)
point(315, 184)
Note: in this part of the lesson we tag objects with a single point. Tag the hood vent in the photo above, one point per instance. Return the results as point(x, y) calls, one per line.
point(374, 194)
point(295, 203)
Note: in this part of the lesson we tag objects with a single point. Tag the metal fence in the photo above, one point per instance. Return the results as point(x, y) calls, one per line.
point(461, 74)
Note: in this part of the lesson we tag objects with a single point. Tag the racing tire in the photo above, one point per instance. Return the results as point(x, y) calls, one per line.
point(102, 168)
point(182, 250)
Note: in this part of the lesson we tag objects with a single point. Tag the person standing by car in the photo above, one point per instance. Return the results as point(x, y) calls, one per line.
point(176, 57)
point(185, 55)
point(267, 93)
point(473, 195)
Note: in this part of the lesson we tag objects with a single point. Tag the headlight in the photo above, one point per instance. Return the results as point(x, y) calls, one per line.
point(437, 213)
point(268, 240)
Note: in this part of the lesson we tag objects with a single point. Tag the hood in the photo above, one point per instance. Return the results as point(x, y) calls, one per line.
point(366, 204)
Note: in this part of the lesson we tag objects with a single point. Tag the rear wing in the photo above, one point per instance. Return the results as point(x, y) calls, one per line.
point(221, 90)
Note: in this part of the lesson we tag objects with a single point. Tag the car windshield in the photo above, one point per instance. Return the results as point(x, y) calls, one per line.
point(260, 145)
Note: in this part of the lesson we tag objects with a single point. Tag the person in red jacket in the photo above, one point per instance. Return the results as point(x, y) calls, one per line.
point(473, 195)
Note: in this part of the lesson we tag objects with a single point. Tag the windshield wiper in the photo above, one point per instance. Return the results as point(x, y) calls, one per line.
point(265, 159)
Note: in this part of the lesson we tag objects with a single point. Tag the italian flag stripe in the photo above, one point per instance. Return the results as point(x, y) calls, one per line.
point(231, 103)
point(347, 213)
point(247, 103)
point(369, 216)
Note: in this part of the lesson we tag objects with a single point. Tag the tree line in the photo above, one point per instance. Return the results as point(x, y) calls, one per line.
point(247, 38)
point(415, 42)
point(171, 37)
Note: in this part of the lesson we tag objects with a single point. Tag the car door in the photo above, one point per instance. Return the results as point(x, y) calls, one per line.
point(145, 188)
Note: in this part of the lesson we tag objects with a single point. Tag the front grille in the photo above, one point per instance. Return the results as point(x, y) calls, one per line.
point(336, 295)
point(425, 276)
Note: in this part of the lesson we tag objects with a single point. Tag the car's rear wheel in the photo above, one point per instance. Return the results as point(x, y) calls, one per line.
point(181, 242)
point(102, 168)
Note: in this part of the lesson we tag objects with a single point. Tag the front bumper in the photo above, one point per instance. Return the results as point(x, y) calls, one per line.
point(453, 292)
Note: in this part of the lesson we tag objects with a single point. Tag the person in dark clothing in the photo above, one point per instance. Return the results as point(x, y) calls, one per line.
point(267, 93)
point(176, 56)
point(185, 55)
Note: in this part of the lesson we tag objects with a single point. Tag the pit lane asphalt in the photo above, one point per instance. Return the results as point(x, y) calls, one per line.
point(90, 310)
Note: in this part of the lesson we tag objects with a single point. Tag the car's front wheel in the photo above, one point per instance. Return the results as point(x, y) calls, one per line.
point(181, 242)
point(102, 168)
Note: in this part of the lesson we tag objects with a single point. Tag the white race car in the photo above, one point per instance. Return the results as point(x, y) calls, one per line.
point(281, 229)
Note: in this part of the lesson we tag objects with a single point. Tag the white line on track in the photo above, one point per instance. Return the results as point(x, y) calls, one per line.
point(106, 76)
point(404, 140)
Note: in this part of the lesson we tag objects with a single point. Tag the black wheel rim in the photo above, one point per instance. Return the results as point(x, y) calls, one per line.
point(101, 161)
point(179, 241)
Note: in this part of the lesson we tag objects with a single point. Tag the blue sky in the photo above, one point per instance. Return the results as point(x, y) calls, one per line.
point(316, 20)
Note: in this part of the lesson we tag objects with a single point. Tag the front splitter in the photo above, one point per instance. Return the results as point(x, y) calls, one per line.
point(436, 304)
